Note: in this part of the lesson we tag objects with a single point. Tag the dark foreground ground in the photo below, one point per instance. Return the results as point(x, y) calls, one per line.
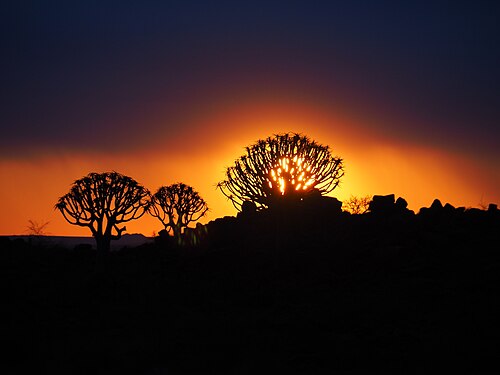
point(345, 294)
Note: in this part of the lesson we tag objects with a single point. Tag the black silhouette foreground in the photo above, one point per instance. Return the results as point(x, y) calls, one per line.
point(317, 291)
point(286, 166)
point(102, 202)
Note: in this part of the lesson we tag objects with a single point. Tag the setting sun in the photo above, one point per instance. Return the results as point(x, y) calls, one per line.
point(291, 175)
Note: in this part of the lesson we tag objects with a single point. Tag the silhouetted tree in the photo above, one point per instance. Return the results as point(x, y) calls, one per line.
point(103, 201)
point(37, 229)
point(357, 205)
point(176, 206)
point(286, 165)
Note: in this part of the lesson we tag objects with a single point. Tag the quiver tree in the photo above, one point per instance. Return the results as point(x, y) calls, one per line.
point(103, 201)
point(176, 206)
point(357, 205)
point(286, 166)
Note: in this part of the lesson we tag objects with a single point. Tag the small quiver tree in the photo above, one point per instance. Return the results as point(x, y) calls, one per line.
point(103, 201)
point(285, 167)
point(36, 231)
point(357, 205)
point(176, 206)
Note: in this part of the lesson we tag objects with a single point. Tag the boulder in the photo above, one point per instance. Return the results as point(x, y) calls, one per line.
point(401, 204)
point(332, 205)
point(164, 239)
point(449, 209)
point(436, 205)
point(382, 204)
point(248, 210)
point(435, 210)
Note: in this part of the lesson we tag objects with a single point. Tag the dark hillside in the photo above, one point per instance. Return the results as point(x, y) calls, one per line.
point(300, 290)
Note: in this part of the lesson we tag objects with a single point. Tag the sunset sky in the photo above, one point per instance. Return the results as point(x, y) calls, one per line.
point(407, 93)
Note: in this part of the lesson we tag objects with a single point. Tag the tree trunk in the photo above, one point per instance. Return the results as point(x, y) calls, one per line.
point(176, 228)
point(103, 247)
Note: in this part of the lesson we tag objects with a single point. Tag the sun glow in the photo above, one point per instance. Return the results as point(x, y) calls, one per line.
point(374, 165)
point(291, 175)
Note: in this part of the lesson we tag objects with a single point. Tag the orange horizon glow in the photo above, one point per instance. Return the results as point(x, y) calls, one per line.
point(295, 168)
point(213, 139)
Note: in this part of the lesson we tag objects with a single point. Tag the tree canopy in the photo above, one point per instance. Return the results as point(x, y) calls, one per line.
point(103, 201)
point(284, 166)
point(176, 206)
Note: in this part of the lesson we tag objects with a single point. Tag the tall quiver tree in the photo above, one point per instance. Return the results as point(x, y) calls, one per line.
point(176, 206)
point(102, 202)
point(284, 167)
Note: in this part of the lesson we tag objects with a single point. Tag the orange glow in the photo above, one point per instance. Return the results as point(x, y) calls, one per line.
point(291, 174)
point(213, 139)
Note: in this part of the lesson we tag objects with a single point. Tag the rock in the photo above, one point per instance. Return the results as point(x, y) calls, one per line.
point(248, 210)
point(401, 204)
point(448, 208)
point(164, 239)
point(332, 204)
point(474, 213)
point(436, 205)
point(382, 204)
point(423, 211)
point(434, 211)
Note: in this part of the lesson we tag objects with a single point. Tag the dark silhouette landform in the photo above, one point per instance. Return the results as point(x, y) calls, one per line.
point(301, 287)
point(70, 242)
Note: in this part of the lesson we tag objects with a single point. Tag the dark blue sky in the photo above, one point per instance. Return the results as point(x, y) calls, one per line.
point(91, 74)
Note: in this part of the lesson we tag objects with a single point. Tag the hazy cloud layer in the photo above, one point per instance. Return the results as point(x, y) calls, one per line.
point(120, 76)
